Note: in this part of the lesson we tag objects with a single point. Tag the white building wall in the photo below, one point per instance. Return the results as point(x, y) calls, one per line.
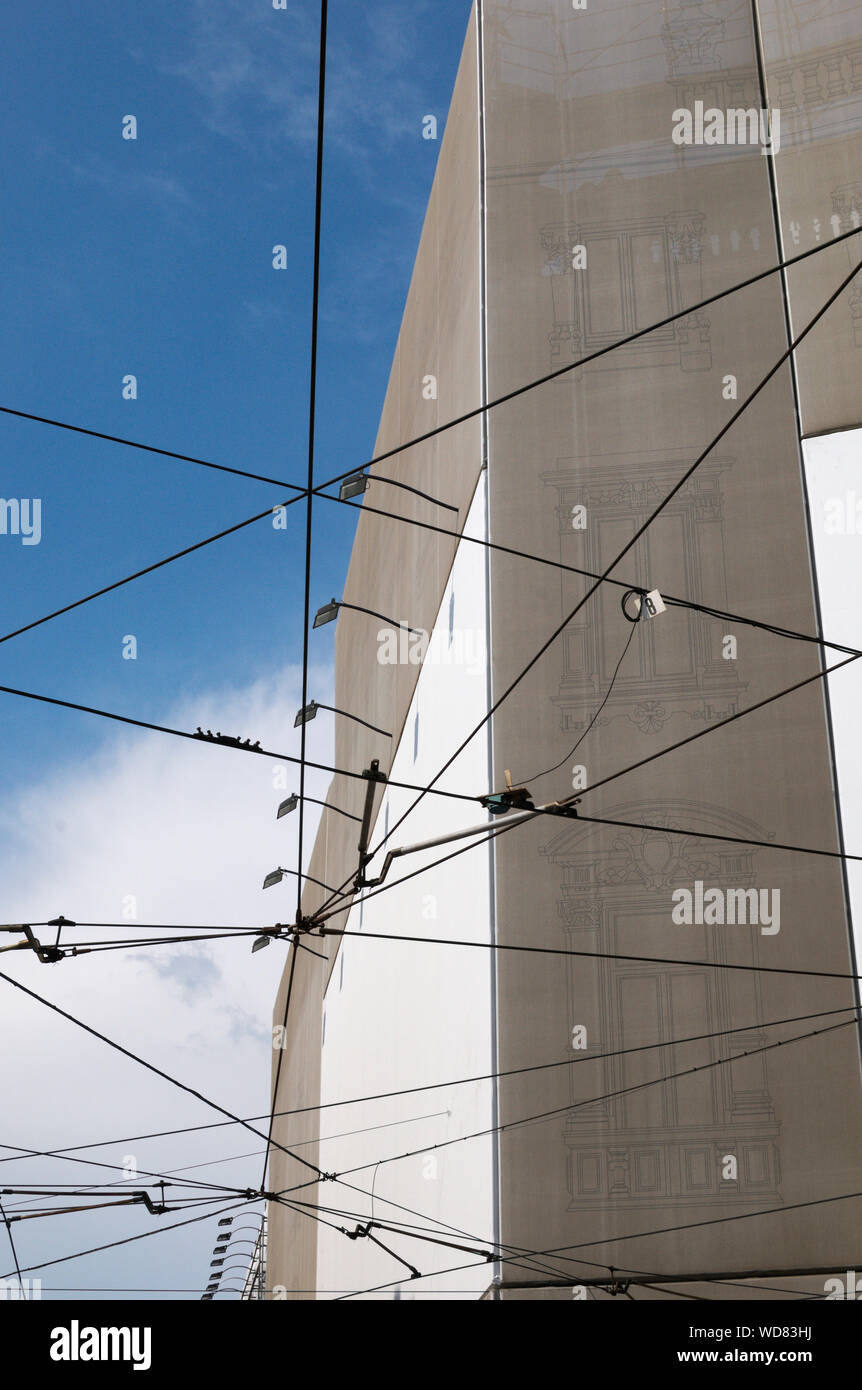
point(398, 1015)
point(832, 464)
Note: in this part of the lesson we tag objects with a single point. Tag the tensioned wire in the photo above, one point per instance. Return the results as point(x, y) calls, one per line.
point(635, 537)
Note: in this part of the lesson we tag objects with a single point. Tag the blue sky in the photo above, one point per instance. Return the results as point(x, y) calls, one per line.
point(154, 257)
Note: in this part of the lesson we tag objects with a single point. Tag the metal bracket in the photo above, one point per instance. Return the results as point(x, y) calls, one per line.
point(373, 776)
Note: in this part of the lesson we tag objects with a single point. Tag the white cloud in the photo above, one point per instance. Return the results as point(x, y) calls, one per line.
point(188, 830)
point(255, 72)
point(155, 187)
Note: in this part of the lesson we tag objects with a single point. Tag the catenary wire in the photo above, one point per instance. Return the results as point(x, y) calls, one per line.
point(670, 600)
point(406, 786)
point(594, 955)
point(312, 411)
point(567, 1108)
point(150, 1066)
point(8, 1226)
point(22, 1153)
point(635, 1235)
point(607, 695)
point(593, 356)
point(148, 569)
point(145, 448)
point(520, 1252)
point(594, 1100)
point(128, 1240)
point(322, 915)
point(237, 748)
point(303, 766)
point(312, 406)
point(271, 1118)
point(300, 492)
point(339, 1177)
point(411, 1090)
point(779, 266)
point(635, 537)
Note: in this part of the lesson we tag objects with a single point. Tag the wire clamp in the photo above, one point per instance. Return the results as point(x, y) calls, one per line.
point(512, 799)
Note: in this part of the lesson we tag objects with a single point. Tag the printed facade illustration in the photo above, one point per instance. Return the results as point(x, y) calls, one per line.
point(682, 1107)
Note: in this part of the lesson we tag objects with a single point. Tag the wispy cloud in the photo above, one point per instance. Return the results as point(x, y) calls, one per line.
point(155, 187)
point(153, 830)
point(193, 975)
point(255, 72)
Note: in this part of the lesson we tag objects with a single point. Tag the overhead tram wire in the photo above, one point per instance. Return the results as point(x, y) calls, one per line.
point(712, 1221)
point(351, 1186)
point(493, 831)
point(150, 1066)
point(23, 1153)
point(824, 671)
point(530, 1119)
point(592, 1100)
point(523, 1255)
point(69, 1152)
point(170, 1176)
point(593, 356)
point(319, 490)
point(595, 955)
point(598, 1099)
point(635, 537)
point(348, 1184)
point(148, 569)
point(809, 325)
point(711, 835)
point(211, 743)
point(635, 1235)
point(326, 912)
point(312, 410)
point(190, 1183)
point(129, 1240)
point(647, 1278)
point(312, 413)
point(12, 1246)
point(517, 1252)
point(669, 599)
point(145, 448)
point(778, 267)
point(749, 709)
point(523, 781)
